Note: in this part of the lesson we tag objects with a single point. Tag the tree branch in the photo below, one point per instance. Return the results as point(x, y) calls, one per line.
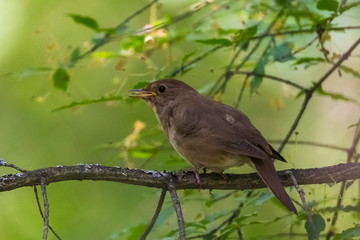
point(177, 207)
point(46, 208)
point(156, 214)
point(42, 214)
point(332, 174)
point(305, 205)
point(301, 31)
point(351, 151)
point(278, 79)
point(309, 92)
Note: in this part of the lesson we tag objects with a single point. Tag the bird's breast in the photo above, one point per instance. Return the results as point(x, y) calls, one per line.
point(200, 151)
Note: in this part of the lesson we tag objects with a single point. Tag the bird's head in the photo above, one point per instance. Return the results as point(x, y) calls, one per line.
point(163, 92)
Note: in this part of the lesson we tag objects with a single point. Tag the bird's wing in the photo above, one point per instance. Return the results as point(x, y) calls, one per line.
point(239, 134)
point(223, 127)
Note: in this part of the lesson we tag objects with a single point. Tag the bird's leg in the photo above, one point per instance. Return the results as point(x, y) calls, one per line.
point(224, 176)
point(196, 172)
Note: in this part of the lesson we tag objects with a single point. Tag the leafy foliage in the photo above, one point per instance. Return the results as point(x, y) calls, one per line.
point(61, 79)
point(90, 101)
point(85, 21)
point(282, 53)
point(216, 41)
point(328, 5)
point(350, 233)
point(202, 43)
point(259, 69)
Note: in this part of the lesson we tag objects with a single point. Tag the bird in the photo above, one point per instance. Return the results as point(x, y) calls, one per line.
point(212, 135)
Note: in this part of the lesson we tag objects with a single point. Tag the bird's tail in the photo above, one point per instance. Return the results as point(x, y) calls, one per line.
point(266, 170)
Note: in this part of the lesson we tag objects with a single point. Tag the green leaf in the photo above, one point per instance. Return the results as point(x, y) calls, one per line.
point(239, 220)
point(263, 197)
point(107, 31)
point(136, 43)
point(99, 38)
point(328, 5)
point(319, 225)
point(142, 151)
point(216, 41)
point(29, 72)
point(244, 35)
point(259, 69)
point(121, 29)
point(187, 57)
point(300, 93)
point(140, 85)
point(282, 53)
point(61, 79)
point(75, 56)
point(350, 70)
point(334, 96)
point(308, 60)
point(137, 231)
point(164, 217)
point(196, 225)
point(85, 20)
point(215, 216)
point(89, 101)
point(97, 55)
point(347, 7)
point(226, 231)
point(206, 88)
point(222, 31)
point(348, 234)
point(354, 125)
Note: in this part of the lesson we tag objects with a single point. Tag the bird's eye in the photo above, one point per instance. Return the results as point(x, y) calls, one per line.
point(162, 89)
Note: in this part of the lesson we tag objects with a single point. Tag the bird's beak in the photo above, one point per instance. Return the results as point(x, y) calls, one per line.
point(141, 93)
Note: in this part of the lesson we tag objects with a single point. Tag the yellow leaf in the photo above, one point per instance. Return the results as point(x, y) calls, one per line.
point(131, 140)
point(277, 103)
point(218, 97)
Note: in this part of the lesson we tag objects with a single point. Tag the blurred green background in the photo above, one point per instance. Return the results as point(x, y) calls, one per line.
point(41, 34)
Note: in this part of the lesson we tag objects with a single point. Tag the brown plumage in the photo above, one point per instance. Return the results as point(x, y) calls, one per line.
point(212, 135)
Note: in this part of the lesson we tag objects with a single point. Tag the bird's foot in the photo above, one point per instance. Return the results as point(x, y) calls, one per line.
point(195, 170)
point(223, 175)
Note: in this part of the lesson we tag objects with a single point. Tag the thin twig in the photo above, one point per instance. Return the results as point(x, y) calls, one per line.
point(227, 221)
point(41, 212)
point(304, 204)
point(264, 53)
point(46, 209)
point(129, 18)
point(278, 79)
point(300, 31)
point(344, 57)
point(304, 47)
point(156, 214)
point(246, 58)
point(351, 151)
point(308, 95)
point(177, 207)
point(309, 92)
point(5, 164)
point(310, 143)
point(123, 23)
point(197, 59)
point(242, 90)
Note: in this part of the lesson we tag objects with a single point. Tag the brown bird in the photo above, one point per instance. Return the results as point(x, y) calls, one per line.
point(212, 135)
